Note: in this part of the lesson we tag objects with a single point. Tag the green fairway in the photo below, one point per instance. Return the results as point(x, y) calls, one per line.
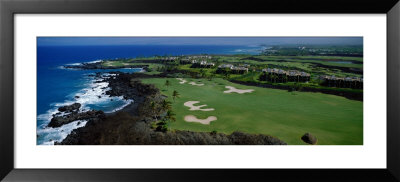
point(334, 120)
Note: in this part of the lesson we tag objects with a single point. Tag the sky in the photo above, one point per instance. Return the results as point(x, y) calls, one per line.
point(239, 41)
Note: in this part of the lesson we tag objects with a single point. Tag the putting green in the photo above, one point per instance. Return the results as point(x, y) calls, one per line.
point(287, 115)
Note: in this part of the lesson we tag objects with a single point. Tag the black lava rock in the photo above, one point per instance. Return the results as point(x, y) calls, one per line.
point(65, 119)
point(70, 108)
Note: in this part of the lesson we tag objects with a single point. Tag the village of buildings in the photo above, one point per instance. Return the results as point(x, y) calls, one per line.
point(273, 75)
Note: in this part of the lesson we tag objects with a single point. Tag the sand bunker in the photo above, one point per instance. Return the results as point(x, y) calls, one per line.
point(195, 84)
point(191, 118)
point(239, 91)
point(196, 108)
point(182, 81)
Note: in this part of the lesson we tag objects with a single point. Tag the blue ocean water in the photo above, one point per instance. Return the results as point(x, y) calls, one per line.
point(57, 86)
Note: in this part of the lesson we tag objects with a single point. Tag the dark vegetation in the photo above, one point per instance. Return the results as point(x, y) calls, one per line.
point(123, 129)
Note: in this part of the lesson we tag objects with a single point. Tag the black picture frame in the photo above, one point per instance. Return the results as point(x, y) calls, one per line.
point(8, 8)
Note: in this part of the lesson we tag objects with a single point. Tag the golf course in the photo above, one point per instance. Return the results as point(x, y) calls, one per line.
point(288, 115)
point(294, 94)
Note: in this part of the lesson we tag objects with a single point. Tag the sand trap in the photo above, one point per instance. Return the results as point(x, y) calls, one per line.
point(195, 84)
point(239, 91)
point(196, 108)
point(182, 81)
point(191, 118)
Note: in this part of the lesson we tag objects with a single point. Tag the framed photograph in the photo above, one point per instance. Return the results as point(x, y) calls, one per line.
point(106, 91)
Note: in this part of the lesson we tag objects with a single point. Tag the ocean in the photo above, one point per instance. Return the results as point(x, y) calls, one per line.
point(57, 86)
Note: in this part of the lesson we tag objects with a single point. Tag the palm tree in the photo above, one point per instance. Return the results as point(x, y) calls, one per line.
point(202, 73)
point(170, 115)
point(285, 78)
point(153, 106)
point(227, 75)
point(175, 94)
point(167, 83)
point(212, 76)
point(166, 105)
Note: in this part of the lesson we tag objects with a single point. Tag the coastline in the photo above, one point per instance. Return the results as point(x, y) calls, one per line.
point(113, 128)
point(93, 65)
point(129, 87)
point(77, 107)
point(74, 116)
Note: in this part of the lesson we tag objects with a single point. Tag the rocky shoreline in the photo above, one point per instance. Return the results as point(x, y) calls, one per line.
point(133, 124)
point(58, 121)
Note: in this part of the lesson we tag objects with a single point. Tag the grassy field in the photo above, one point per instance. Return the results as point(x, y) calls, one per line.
point(287, 115)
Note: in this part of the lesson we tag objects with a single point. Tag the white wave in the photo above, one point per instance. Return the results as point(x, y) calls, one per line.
point(247, 50)
point(50, 135)
point(129, 101)
point(47, 116)
point(74, 64)
point(238, 50)
point(77, 64)
point(108, 75)
point(93, 95)
point(95, 61)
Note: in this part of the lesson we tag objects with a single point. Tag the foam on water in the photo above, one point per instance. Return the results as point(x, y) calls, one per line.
point(248, 50)
point(74, 64)
point(93, 96)
point(50, 135)
point(95, 61)
point(77, 64)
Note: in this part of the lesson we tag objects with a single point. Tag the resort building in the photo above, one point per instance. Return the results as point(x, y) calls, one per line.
point(196, 60)
point(239, 70)
point(170, 58)
point(230, 66)
point(280, 76)
point(206, 64)
point(199, 57)
point(223, 68)
point(202, 64)
point(342, 82)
